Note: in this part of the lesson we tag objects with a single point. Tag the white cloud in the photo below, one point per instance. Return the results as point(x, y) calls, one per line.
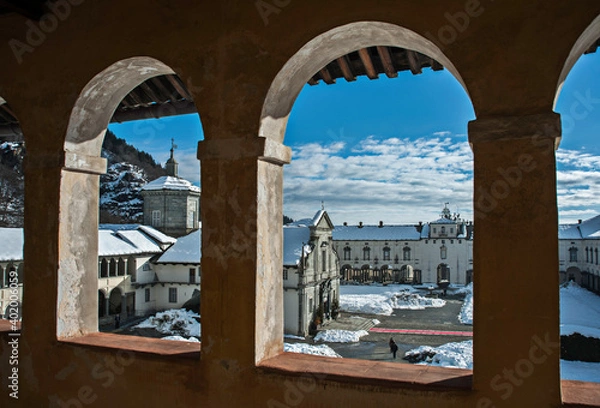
point(402, 181)
point(393, 180)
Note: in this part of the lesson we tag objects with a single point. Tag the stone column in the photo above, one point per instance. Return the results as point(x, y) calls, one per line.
point(242, 246)
point(78, 249)
point(516, 305)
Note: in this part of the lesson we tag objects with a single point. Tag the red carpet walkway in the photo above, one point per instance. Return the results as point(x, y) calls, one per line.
point(422, 332)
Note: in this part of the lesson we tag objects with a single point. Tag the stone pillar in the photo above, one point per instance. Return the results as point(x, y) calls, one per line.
point(78, 249)
point(242, 247)
point(516, 305)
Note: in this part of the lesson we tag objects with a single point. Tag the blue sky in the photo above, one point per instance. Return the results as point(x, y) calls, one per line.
point(396, 149)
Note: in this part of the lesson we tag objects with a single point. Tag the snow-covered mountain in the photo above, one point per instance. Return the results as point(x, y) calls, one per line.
point(120, 199)
point(11, 184)
point(120, 188)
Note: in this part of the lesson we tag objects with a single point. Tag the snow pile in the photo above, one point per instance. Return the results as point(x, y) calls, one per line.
point(382, 301)
point(178, 322)
point(453, 355)
point(180, 338)
point(414, 301)
point(303, 348)
point(340, 336)
point(372, 304)
point(466, 313)
point(579, 311)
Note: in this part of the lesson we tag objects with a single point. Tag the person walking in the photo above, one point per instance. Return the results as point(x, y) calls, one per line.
point(393, 347)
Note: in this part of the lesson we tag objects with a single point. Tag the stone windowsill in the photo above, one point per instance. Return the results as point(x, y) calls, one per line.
point(370, 372)
point(575, 393)
point(366, 372)
point(147, 345)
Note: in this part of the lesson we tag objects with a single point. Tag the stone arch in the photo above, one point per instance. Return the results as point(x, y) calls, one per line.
point(443, 274)
point(574, 274)
point(324, 48)
point(101, 303)
point(115, 301)
point(78, 223)
point(407, 274)
point(585, 40)
point(100, 97)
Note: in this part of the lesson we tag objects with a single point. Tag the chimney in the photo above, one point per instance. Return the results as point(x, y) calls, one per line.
point(345, 224)
point(360, 224)
point(578, 221)
point(420, 227)
point(380, 224)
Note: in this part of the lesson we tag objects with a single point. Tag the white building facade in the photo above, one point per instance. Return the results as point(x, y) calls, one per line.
point(439, 252)
point(172, 278)
point(579, 245)
point(311, 280)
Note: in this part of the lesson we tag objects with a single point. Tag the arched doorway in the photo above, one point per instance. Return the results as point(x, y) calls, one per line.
point(115, 301)
point(101, 304)
point(443, 275)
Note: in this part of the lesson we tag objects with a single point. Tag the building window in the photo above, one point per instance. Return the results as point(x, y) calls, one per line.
point(587, 258)
point(435, 230)
point(156, 218)
point(572, 254)
point(443, 252)
point(386, 254)
point(406, 254)
point(366, 253)
point(451, 230)
point(347, 253)
point(172, 295)
point(285, 274)
point(192, 275)
point(147, 295)
point(146, 267)
point(323, 261)
point(596, 256)
point(443, 230)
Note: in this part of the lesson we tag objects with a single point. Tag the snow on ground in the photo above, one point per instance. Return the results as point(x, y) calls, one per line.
point(382, 300)
point(579, 311)
point(580, 371)
point(318, 350)
point(340, 336)
point(180, 338)
point(452, 355)
point(176, 322)
point(466, 312)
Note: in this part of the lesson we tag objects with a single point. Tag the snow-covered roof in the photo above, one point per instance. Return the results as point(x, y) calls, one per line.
point(186, 250)
point(170, 183)
point(588, 229)
point(12, 244)
point(294, 236)
point(130, 239)
point(376, 233)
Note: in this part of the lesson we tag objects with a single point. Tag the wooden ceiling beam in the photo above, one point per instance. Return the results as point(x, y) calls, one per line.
point(346, 69)
point(182, 107)
point(365, 57)
point(413, 62)
point(313, 81)
point(174, 80)
point(386, 61)
point(436, 66)
point(150, 92)
point(326, 75)
point(168, 94)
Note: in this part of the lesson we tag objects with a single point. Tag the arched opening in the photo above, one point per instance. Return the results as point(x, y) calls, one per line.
point(137, 90)
point(115, 301)
point(102, 312)
point(443, 275)
point(354, 52)
point(12, 199)
point(578, 189)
